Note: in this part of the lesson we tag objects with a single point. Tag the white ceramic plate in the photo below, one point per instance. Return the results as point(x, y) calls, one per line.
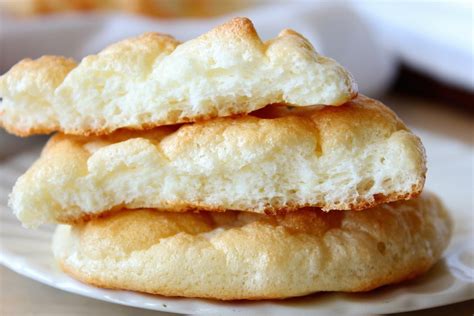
point(451, 280)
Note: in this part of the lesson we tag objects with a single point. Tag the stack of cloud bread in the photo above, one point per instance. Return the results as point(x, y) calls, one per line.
point(223, 167)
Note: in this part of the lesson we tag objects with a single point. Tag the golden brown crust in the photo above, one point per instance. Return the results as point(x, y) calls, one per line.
point(268, 210)
point(154, 80)
point(252, 256)
point(38, 130)
point(404, 276)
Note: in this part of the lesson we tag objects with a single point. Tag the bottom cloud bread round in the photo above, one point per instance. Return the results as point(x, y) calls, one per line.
point(239, 255)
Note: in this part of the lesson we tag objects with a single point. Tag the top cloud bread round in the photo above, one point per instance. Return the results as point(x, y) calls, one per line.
point(154, 80)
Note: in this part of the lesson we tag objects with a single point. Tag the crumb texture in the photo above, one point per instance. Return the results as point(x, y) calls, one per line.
point(275, 160)
point(154, 80)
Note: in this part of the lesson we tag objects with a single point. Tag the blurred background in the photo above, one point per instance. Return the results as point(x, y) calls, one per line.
point(416, 56)
point(422, 49)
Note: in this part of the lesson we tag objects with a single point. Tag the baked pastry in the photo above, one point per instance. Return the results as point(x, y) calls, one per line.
point(238, 255)
point(154, 80)
point(155, 8)
point(275, 160)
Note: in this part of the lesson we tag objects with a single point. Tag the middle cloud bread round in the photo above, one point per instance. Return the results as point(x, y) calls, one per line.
point(277, 159)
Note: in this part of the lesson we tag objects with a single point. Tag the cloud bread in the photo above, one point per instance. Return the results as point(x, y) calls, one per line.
point(154, 80)
point(239, 255)
point(159, 8)
point(278, 159)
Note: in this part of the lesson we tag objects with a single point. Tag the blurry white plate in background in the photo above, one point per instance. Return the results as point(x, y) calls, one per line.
point(368, 37)
point(334, 28)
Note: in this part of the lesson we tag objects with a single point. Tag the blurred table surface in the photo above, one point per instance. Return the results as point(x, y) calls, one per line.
point(22, 296)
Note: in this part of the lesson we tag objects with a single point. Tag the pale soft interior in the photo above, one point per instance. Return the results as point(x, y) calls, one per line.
point(151, 80)
point(142, 173)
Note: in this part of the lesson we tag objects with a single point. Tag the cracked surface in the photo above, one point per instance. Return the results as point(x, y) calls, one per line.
point(239, 255)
